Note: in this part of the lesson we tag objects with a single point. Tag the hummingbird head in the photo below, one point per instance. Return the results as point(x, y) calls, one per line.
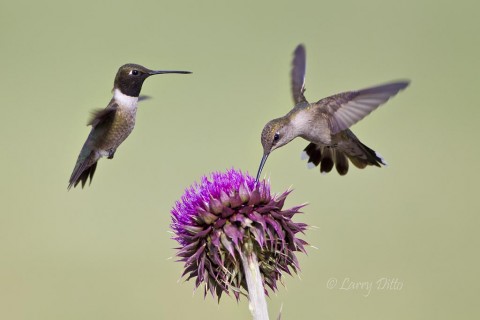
point(275, 134)
point(130, 78)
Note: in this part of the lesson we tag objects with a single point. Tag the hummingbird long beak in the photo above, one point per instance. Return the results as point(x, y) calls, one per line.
point(153, 72)
point(262, 163)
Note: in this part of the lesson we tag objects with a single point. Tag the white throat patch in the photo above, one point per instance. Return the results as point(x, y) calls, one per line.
point(124, 100)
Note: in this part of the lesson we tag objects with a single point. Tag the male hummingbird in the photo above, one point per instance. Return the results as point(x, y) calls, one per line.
point(112, 125)
point(325, 123)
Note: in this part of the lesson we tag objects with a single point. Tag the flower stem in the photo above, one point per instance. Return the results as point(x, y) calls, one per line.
point(256, 292)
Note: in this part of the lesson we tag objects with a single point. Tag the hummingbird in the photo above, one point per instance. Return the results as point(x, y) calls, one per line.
point(112, 125)
point(325, 123)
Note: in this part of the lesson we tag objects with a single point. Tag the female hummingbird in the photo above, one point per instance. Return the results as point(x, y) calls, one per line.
point(326, 123)
point(112, 125)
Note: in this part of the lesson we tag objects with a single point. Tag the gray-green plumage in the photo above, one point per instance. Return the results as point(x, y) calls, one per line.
point(112, 125)
point(326, 123)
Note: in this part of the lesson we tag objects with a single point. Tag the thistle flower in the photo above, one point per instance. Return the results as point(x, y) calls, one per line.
point(228, 221)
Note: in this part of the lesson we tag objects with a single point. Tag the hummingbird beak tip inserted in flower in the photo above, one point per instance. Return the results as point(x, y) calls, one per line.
point(262, 164)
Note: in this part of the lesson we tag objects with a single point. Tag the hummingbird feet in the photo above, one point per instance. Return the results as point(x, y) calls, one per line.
point(111, 153)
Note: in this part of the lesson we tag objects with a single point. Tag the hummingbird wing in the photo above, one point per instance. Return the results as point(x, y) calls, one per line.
point(298, 74)
point(101, 116)
point(87, 159)
point(345, 109)
point(143, 98)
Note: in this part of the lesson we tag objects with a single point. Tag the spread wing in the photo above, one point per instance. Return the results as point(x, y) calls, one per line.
point(102, 116)
point(345, 109)
point(298, 74)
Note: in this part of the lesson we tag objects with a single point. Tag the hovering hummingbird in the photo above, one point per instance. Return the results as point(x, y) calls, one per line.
point(112, 125)
point(325, 123)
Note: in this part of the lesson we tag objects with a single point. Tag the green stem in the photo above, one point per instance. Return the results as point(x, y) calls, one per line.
point(256, 292)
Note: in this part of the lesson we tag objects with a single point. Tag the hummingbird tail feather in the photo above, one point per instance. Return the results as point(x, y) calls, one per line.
point(361, 156)
point(326, 165)
point(313, 153)
point(358, 153)
point(368, 157)
point(341, 162)
point(83, 170)
point(323, 156)
point(87, 173)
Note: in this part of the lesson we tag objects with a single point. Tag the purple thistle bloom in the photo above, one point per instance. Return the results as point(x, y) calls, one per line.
point(218, 219)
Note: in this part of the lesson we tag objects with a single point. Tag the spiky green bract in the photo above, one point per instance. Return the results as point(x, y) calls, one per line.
point(228, 214)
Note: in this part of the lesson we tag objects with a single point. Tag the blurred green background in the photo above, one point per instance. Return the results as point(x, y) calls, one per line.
point(104, 252)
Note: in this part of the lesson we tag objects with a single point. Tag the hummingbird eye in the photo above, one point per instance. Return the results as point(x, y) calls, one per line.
point(134, 72)
point(276, 136)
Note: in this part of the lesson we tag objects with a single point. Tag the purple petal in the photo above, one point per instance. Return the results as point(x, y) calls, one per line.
point(216, 205)
point(233, 233)
point(243, 193)
point(227, 245)
point(254, 197)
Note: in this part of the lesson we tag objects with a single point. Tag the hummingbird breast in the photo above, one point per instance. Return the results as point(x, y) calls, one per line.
point(122, 125)
point(310, 125)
